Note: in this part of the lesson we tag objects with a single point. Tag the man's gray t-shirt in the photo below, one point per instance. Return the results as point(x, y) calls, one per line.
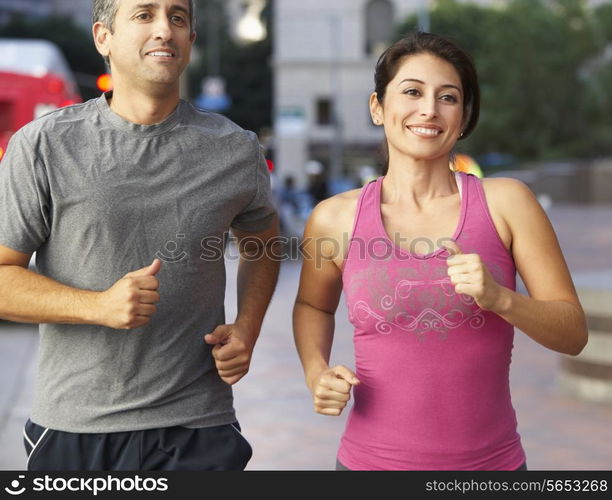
point(97, 197)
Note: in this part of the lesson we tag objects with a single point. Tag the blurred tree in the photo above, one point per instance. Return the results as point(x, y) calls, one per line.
point(75, 42)
point(537, 100)
point(603, 17)
point(245, 68)
point(597, 73)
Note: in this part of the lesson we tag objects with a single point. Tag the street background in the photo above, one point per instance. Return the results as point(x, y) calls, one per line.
point(559, 431)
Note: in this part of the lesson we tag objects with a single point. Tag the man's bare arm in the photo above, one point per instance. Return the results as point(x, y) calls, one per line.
point(257, 277)
point(29, 297)
point(257, 274)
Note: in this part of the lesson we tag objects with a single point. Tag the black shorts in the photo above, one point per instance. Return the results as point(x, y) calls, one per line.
point(172, 448)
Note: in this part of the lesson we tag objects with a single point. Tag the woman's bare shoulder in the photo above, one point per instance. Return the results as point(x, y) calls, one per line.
point(505, 193)
point(511, 204)
point(503, 187)
point(339, 205)
point(335, 214)
point(345, 197)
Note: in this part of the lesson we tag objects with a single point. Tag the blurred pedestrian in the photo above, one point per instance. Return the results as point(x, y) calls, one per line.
point(317, 183)
point(429, 279)
point(287, 194)
point(126, 200)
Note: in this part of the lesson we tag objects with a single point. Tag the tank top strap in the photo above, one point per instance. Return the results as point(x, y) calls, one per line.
point(367, 210)
point(364, 219)
point(474, 187)
point(479, 209)
point(479, 217)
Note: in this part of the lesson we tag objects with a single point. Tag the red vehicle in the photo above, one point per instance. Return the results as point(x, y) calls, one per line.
point(34, 79)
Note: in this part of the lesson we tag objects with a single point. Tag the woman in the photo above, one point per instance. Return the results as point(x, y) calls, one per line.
point(427, 259)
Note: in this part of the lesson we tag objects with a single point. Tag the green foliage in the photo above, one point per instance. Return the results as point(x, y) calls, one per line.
point(603, 19)
point(541, 97)
point(75, 42)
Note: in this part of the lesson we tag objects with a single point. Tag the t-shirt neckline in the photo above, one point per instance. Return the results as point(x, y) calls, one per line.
point(133, 128)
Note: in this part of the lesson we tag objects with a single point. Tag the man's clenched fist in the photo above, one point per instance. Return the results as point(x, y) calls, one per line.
point(130, 302)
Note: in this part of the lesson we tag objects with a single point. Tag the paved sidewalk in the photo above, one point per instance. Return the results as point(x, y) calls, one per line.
point(559, 432)
point(18, 345)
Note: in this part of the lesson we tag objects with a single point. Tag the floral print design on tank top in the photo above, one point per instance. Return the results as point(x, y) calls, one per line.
point(423, 301)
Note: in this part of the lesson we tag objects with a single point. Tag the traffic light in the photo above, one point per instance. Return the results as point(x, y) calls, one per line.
point(105, 82)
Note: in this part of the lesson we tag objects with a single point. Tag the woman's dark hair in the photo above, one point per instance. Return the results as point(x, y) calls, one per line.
point(418, 43)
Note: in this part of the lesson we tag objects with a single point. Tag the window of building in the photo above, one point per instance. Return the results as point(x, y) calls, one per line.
point(324, 111)
point(379, 25)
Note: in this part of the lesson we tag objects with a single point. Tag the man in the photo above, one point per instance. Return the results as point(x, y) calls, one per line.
point(122, 198)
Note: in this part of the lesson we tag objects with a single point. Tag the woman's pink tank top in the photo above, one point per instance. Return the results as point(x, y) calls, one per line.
point(434, 367)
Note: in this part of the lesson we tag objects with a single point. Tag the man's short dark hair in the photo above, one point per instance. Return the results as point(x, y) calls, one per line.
point(104, 11)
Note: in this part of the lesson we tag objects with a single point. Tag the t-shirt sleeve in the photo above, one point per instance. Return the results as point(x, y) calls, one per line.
point(24, 197)
point(259, 213)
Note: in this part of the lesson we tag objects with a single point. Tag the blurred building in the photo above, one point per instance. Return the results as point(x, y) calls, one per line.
point(324, 58)
point(325, 53)
point(79, 10)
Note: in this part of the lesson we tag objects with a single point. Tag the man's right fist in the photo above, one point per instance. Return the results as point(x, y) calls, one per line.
point(130, 302)
point(332, 390)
